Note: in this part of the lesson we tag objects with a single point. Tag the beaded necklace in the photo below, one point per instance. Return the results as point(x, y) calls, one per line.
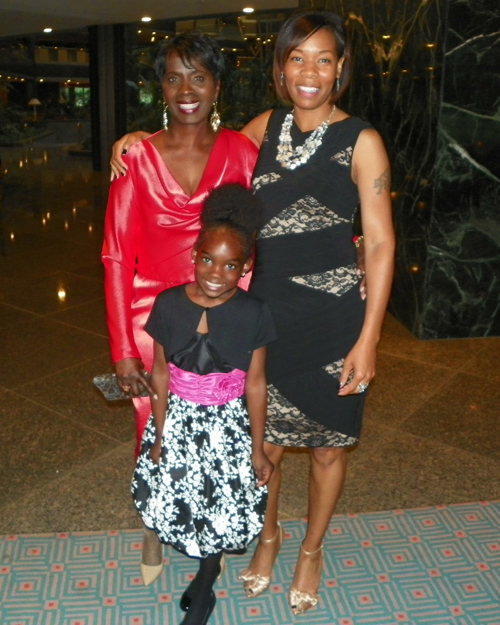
point(290, 158)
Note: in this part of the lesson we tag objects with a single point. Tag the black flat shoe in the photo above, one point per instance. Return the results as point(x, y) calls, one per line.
point(188, 594)
point(210, 609)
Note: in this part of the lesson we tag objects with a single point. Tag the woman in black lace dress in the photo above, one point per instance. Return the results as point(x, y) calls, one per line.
point(316, 165)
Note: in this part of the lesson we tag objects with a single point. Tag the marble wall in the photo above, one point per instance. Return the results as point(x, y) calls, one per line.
point(462, 277)
point(427, 76)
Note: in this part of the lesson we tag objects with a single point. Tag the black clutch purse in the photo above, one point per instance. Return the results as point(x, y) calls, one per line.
point(112, 391)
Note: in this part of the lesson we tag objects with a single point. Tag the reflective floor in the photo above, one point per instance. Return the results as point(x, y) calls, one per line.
point(431, 432)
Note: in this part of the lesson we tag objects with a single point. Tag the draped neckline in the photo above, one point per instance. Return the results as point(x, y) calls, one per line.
point(169, 181)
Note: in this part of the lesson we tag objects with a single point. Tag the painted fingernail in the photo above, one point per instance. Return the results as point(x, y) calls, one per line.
point(341, 385)
point(155, 396)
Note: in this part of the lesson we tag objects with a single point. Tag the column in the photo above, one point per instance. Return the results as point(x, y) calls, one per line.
point(107, 83)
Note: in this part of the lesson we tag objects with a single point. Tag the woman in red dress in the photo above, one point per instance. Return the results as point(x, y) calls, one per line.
point(152, 218)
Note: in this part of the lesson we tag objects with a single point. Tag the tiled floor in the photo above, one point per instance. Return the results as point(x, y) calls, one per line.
point(431, 432)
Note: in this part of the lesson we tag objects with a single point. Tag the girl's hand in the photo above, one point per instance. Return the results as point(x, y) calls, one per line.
point(130, 373)
point(359, 368)
point(263, 468)
point(155, 451)
point(120, 147)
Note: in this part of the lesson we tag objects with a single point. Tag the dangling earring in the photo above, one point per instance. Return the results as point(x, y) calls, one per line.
point(165, 117)
point(282, 78)
point(215, 118)
point(338, 83)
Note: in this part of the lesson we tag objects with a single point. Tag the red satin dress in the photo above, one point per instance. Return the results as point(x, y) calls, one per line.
point(151, 226)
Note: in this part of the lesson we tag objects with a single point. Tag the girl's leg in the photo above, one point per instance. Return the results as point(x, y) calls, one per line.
point(202, 600)
point(328, 470)
point(259, 572)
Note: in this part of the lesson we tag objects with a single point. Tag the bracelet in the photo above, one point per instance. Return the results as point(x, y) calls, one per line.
point(358, 240)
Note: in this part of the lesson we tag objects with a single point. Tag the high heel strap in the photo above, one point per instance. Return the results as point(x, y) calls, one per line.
point(223, 565)
point(310, 553)
point(269, 541)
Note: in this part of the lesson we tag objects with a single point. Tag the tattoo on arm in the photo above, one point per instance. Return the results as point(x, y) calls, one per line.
point(383, 183)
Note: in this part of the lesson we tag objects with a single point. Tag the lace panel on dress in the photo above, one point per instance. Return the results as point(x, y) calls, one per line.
point(343, 157)
point(305, 215)
point(260, 181)
point(287, 426)
point(336, 281)
point(335, 368)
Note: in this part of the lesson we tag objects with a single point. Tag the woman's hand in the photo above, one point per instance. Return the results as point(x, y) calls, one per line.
point(359, 368)
point(120, 147)
point(263, 468)
point(130, 373)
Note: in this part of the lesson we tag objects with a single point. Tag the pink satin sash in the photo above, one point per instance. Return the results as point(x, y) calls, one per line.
point(213, 389)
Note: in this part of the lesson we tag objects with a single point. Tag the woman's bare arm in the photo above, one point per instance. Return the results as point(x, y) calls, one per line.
point(256, 129)
point(371, 173)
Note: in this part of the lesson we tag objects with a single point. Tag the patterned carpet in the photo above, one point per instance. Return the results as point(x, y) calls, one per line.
point(431, 566)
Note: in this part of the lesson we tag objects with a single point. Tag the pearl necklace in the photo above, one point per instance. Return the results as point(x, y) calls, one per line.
point(290, 158)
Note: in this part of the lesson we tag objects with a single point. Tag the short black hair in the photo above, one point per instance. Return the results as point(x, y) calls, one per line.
point(191, 45)
point(234, 207)
point(299, 27)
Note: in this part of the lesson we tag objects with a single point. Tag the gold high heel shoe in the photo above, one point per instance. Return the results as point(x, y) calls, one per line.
point(253, 583)
point(300, 601)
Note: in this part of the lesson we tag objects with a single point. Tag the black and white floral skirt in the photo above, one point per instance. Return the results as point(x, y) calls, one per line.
point(201, 498)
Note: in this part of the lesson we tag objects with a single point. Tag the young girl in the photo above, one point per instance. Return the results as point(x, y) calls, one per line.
point(201, 474)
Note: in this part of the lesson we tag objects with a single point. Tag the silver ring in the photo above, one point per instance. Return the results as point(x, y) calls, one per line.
point(362, 386)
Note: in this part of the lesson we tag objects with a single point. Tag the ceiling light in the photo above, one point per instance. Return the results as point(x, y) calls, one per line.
point(47, 30)
point(145, 19)
point(248, 10)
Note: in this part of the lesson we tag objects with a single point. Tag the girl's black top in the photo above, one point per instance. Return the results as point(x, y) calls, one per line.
point(236, 328)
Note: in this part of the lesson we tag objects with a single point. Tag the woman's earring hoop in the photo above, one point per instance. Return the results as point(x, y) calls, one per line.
point(338, 83)
point(215, 118)
point(165, 117)
point(282, 78)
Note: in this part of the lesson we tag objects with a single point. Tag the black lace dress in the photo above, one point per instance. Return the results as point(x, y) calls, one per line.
point(306, 272)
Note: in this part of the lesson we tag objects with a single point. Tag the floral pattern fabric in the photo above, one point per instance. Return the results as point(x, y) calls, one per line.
point(202, 496)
